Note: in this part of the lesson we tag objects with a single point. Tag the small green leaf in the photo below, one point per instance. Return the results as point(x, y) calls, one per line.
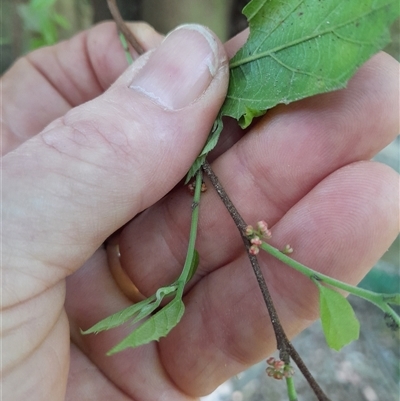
point(213, 137)
point(208, 147)
point(136, 311)
point(194, 168)
point(339, 322)
point(146, 311)
point(118, 318)
point(153, 329)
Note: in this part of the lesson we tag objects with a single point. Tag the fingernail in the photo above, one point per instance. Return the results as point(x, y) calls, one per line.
point(181, 68)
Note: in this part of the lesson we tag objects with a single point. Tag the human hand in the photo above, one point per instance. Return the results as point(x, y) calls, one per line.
point(301, 167)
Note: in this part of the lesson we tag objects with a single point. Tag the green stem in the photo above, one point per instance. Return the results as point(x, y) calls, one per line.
point(291, 389)
point(183, 278)
point(125, 46)
point(378, 299)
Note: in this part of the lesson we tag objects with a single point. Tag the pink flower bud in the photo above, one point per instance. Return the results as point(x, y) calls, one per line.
point(249, 231)
point(256, 241)
point(278, 365)
point(271, 361)
point(191, 188)
point(262, 226)
point(267, 234)
point(270, 371)
point(254, 250)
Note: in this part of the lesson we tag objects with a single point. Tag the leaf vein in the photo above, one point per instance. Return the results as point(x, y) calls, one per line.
point(330, 30)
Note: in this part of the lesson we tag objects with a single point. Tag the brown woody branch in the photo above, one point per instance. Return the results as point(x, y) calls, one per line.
point(130, 37)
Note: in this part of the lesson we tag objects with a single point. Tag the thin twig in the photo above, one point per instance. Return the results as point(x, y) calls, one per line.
point(285, 347)
point(130, 37)
point(281, 338)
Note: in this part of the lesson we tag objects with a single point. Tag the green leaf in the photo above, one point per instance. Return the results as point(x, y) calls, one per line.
point(339, 322)
point(300, 48)
point(195, 168)
point(118, 318)
point(153, 329)
point(208, 147)
point(214, 136)
point(135, 312)
point(151, 307)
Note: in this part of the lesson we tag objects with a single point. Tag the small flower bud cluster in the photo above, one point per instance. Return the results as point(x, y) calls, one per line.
point(278, 369)
point(192, 186)
point(287, 249)
point(262, 228)
point(255, 235)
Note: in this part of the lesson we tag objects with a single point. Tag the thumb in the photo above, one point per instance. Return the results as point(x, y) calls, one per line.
point(68, 188)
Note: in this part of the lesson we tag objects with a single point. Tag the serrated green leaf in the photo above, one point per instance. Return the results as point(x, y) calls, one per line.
point(300, 48)
point(136, 312)
point(213, 137)
point(153, 329)
point(195, 167)
point(339, 322)
point(208, 147)
point(119, 318)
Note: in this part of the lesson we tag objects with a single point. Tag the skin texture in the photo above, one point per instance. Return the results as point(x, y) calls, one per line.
point(67, 186)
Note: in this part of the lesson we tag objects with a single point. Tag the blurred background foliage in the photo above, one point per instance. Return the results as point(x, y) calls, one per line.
point(28, 24)
point(42, 22)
